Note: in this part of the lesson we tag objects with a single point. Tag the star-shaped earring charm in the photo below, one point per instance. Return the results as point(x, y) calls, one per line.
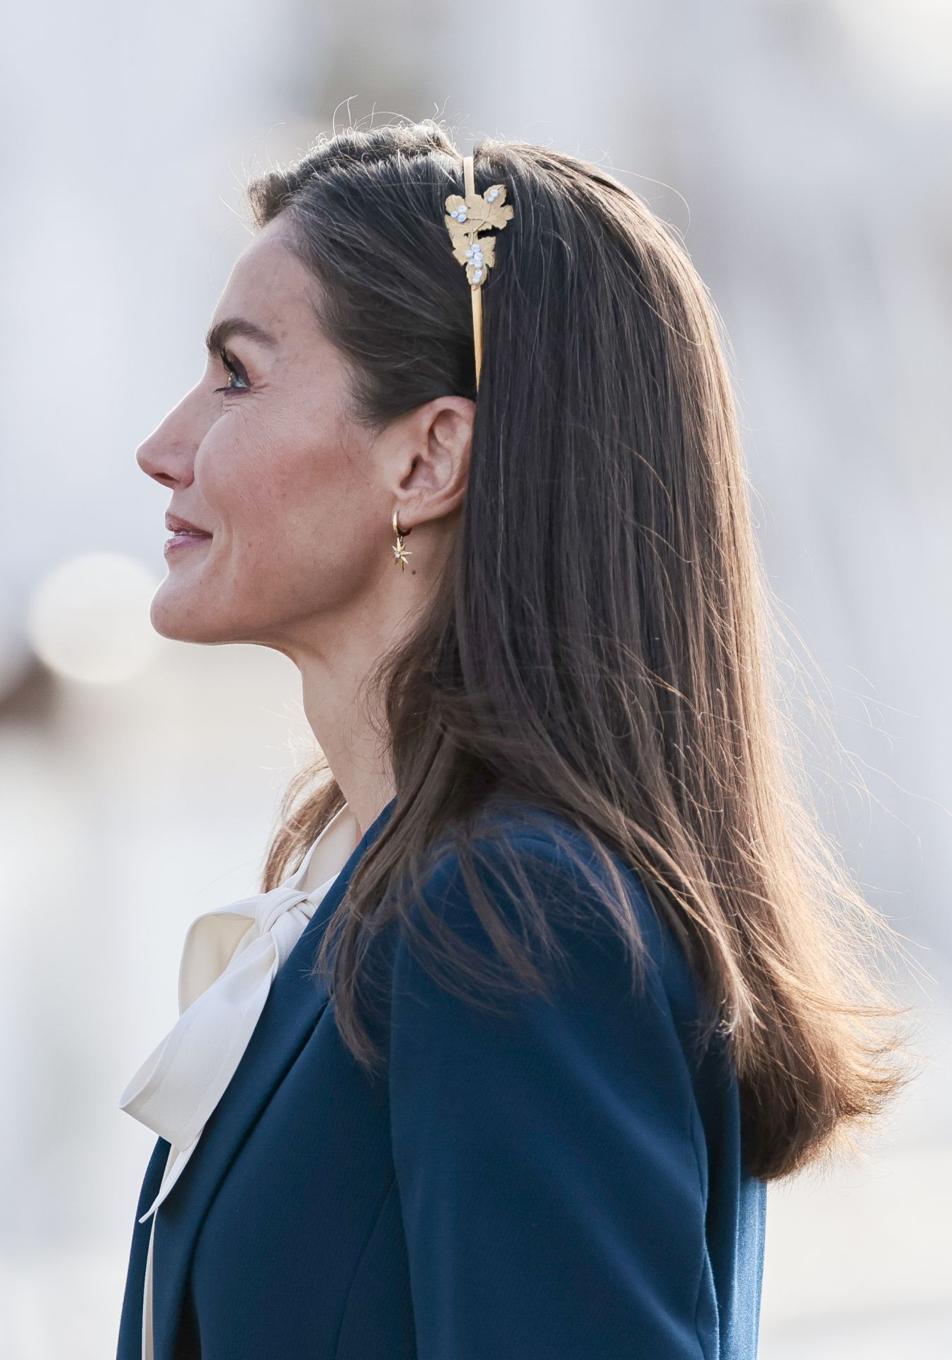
point(400, 553)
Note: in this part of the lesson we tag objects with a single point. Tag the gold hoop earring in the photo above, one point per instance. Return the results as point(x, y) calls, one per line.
point(400, 553)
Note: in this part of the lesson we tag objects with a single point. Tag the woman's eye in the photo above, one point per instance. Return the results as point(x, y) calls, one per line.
point(235, 371)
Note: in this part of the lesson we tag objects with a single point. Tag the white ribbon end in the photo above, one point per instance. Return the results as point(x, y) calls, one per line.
point(149, 1212)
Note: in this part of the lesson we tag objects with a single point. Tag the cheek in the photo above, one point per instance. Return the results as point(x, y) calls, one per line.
point(255, 479)
point(284, 509)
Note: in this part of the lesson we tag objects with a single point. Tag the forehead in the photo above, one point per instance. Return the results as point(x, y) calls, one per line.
point(268, 284)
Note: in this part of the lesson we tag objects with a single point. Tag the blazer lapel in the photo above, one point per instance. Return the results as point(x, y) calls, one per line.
point(130, 1322)
point(292, 1009)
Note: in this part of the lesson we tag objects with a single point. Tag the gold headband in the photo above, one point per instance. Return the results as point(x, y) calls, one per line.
point(464, 218)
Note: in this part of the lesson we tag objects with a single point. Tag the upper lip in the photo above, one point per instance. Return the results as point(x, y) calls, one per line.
point(174, 524)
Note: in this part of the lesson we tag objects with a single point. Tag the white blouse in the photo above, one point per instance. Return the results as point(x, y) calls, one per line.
point(229, 959)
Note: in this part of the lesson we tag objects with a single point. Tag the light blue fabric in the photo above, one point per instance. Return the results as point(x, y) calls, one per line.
point(560, 1181)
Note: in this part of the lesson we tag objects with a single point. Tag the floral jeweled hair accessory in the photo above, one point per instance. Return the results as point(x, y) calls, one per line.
point(465, 217)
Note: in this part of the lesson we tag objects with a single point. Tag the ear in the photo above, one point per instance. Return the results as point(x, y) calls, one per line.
point(440, 439)
point(448, 423)
point(429, 460)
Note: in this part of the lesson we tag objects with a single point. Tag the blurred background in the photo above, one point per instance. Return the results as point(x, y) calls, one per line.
point(801, 149)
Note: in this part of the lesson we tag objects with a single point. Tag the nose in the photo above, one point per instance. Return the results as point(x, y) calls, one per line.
point(168, 455)
point(156, 462)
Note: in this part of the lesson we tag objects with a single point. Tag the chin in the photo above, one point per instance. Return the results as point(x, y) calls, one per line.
point(184, 615)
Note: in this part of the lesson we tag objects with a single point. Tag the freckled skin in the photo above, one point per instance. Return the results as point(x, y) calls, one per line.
point(299, 499)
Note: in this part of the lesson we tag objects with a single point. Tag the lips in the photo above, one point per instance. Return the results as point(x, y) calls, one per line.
point(179, 526)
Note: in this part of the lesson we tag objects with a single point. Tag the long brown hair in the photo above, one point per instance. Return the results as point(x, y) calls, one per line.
point(599, 645)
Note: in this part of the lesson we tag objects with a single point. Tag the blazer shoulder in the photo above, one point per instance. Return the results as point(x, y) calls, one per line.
point(559, 1142)
point(595, 915)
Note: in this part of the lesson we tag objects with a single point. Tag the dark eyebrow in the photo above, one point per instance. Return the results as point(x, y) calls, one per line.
point(237, 325)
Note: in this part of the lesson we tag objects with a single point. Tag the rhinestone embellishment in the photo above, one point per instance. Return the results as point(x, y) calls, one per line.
point(466, 217)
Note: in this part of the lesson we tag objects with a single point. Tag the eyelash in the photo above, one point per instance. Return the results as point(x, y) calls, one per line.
point(233, 370)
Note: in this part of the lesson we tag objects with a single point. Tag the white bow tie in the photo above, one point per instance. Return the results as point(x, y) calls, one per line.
point(229, 959)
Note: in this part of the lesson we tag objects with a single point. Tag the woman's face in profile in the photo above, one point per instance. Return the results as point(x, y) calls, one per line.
point(261, 455)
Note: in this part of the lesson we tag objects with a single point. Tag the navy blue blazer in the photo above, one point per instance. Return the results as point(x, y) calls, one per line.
point(559, 1182)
